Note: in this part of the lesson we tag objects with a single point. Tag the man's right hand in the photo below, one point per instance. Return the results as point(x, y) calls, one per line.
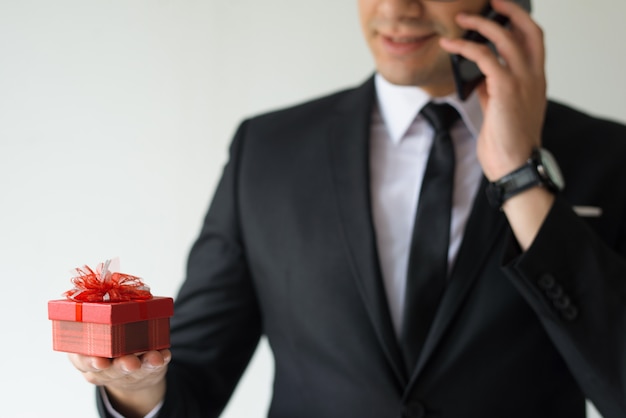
point(135, 384)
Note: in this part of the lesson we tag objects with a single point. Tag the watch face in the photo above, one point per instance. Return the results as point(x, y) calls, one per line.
point(550, 169)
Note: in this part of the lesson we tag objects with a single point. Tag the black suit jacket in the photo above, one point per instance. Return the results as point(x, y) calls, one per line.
point(288, 250)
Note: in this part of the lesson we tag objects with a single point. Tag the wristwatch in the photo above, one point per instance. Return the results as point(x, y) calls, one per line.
point(540, 169)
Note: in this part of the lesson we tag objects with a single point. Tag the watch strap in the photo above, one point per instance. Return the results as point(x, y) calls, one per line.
point(540, 169)
point(513, 183)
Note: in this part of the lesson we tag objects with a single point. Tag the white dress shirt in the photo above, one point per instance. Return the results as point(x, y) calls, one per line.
point(107, 404)
point(400, 142)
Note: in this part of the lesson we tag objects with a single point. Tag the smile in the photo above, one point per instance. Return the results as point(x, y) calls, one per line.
point(400, 45)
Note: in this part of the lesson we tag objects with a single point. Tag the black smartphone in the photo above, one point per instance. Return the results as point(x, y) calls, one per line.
point(467, 75)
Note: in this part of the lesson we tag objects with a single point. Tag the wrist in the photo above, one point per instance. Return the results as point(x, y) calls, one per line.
point(496, 171)
point(136, 402)
point(540, 169)
point(526, 213)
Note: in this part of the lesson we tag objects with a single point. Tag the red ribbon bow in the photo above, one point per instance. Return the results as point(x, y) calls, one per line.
point(105, 286)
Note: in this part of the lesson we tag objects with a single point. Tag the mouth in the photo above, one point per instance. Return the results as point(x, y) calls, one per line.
point(402, 45)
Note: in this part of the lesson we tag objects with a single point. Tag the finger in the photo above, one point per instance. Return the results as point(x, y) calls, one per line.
point(507, 45)
point(122, 370)
point(88, 364)
point(156, 359)
point(126, 364)
point(483, 95)
point(95, 370)
point(141, 365)
point(481, 54)
point(525, 28)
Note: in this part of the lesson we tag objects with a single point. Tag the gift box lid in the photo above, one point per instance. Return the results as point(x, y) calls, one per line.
point(110, 312)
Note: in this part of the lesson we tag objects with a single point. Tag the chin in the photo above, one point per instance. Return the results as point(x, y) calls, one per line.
point(401, 77)
point(438, 79)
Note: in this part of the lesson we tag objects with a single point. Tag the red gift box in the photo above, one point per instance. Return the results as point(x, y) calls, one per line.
point(110, 329)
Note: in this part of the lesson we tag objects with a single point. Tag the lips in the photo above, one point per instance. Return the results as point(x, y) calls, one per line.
point(405, 39)
point(404, 44)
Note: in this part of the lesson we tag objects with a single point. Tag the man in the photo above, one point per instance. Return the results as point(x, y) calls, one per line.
point(308, 241)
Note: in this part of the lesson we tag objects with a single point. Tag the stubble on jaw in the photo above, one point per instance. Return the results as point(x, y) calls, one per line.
point(436, 78)
point(429, 68)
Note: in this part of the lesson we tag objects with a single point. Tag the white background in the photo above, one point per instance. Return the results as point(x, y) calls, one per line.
point(115, 118)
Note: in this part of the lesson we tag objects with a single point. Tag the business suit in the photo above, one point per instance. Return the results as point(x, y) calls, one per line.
point(288, 249)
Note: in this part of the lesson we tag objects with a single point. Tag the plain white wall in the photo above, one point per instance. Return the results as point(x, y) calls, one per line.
point(115, 117)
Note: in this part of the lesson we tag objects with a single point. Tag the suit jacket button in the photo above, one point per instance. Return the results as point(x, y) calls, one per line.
point(555, 292)
point(413, 409)
point(562, 303)
point(546, 282)
point(570, 313)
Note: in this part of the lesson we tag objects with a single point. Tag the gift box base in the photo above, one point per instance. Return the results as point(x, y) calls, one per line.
point(110, 340)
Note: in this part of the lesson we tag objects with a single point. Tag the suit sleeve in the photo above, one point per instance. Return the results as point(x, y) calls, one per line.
point(216, 324)
point(577, 285)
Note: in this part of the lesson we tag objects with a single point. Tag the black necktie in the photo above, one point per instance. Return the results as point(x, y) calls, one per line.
point(428, 257)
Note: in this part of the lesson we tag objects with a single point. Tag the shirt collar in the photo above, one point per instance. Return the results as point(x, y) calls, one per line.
point(398, 106)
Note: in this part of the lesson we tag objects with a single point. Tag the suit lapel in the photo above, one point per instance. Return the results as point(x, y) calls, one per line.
point(349, 156)
point(483, 228)
point(348, 142)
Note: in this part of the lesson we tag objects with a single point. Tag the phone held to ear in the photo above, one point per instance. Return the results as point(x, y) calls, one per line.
point(467, 75)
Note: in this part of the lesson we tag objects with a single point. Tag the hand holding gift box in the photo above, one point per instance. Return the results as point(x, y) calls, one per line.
point(109, 314)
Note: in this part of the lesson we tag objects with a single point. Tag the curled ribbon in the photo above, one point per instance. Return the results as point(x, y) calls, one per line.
point(103, 285)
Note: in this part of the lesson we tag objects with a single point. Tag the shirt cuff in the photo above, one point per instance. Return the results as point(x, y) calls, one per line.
point(107, 404)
